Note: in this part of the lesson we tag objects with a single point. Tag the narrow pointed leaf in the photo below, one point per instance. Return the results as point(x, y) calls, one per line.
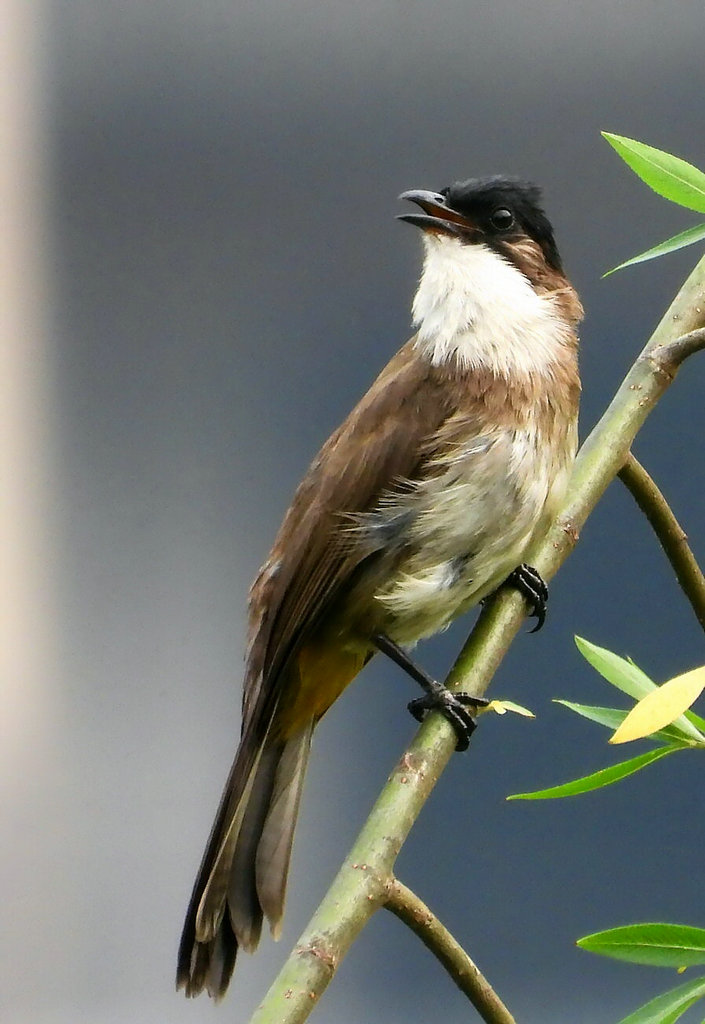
point(668, 1007)
point(668, 175)
point(659, 945)
point(605, 777)
point(620, 672)
point(501, 707)
point(695, 720)
point(610, 717)
point(628, 677)
point(613, 717)
point(688, 237)
point(661, 707)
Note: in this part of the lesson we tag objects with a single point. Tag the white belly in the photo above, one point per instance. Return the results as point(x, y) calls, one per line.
point(472, 524)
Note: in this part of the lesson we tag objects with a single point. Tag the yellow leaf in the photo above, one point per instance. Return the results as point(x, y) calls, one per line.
point(502, 706)
point(662, 706)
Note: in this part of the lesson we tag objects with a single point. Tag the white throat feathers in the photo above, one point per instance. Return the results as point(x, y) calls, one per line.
point(477, 308)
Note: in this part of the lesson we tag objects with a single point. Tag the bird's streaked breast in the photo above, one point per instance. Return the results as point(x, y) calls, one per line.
point(472, 523)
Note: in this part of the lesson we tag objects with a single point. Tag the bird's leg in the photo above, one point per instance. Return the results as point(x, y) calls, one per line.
point(531, 586)
point(453, 706)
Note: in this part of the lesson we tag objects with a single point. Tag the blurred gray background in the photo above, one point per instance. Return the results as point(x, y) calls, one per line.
point(217, 279)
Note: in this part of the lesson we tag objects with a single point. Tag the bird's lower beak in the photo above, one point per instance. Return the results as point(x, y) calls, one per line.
point(437, 217)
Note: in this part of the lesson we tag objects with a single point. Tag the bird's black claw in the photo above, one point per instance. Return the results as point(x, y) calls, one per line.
point(453, 707)
point(529, 583)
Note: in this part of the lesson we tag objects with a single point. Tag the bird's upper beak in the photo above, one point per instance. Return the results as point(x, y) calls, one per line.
point(437, 217)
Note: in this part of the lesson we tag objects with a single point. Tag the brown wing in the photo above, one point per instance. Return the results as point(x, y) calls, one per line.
point(375, 449)
point(378, 446)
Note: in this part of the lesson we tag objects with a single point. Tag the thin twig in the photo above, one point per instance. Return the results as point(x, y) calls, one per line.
point(407, 906)
point(672, 537)
point(676, 351)
point(361, 884)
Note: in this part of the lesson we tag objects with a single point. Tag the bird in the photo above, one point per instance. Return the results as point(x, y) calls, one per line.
point(420, 505)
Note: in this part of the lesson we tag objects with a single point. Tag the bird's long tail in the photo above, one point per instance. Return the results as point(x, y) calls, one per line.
point(243, 875)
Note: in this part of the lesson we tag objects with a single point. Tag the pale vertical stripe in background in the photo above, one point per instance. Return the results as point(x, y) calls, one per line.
point(32, 789)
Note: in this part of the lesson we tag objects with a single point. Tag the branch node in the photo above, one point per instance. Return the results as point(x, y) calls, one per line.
point(662, 365)
point(321, 954)
point(667, 357)
point(571, 530)
point(411, 763)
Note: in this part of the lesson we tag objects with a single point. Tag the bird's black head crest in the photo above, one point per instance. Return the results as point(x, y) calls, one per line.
point(485, 201)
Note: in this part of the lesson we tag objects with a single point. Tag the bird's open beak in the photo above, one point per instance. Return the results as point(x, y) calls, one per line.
point(437, 217)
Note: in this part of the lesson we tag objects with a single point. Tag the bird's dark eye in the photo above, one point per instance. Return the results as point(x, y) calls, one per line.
point(502, 219)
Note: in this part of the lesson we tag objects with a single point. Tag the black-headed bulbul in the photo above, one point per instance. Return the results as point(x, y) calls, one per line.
point(421, 504)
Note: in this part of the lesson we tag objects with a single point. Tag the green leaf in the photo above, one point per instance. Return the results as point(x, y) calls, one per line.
point(605, 777)
point(628, 677)
point(689, 237)
point(667, 175)
point(694, 719)
point(610, 717)
point(668, 1007)
point(659, 945)
point(622, 673)
point(613, 717)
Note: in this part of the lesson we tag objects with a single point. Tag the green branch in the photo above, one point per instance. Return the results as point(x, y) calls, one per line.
point(364, 879)
point(467, 976)
point(671, 535)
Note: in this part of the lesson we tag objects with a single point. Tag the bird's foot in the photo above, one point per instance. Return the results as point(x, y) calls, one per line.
point(529, 583)
point(453, 707)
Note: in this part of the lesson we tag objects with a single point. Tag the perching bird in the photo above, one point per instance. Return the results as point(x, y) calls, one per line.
point(421, 504)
